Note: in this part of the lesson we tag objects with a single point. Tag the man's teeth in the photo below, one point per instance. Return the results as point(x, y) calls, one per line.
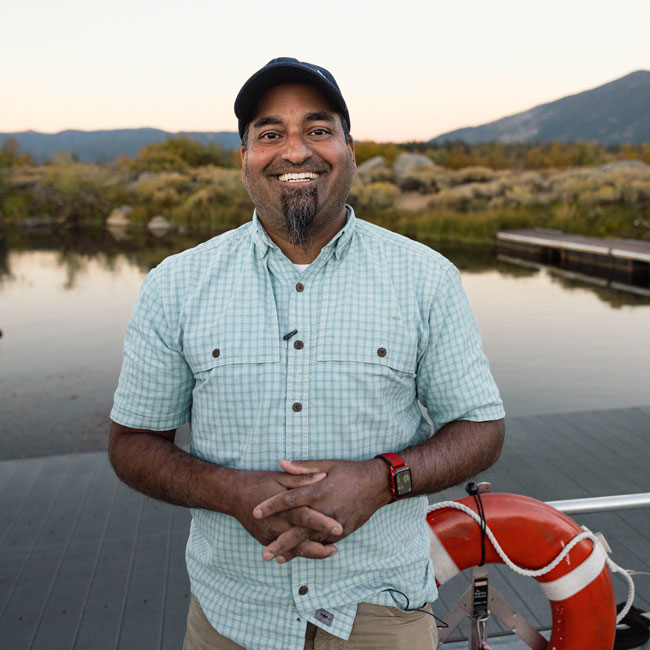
point(294, 178)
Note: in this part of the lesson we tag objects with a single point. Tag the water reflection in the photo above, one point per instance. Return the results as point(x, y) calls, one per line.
point(147, 249)
point(613, 292)
point(555, 343)
point(141, 247)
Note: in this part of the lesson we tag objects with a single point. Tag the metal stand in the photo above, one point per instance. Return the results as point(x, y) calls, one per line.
point(480, 601)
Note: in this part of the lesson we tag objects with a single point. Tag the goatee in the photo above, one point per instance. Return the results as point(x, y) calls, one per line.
point(299, 206)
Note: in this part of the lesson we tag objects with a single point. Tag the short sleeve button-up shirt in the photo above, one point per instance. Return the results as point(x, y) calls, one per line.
point(382, 324)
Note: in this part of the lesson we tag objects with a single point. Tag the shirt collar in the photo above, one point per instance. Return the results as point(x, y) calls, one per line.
point(260, 237)
point(344, 236)
point(340, 241)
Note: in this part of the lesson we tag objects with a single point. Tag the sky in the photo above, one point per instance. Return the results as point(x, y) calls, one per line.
point(408, 70)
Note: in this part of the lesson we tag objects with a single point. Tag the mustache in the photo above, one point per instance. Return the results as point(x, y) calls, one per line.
point(277, 169)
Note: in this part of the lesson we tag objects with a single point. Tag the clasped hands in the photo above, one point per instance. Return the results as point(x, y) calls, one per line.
point(305, 509)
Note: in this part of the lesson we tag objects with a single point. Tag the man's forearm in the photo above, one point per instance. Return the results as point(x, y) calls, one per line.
point(151, 463)
point(456, 452)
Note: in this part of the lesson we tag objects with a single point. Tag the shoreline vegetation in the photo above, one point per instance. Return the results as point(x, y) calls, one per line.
point(451, 192)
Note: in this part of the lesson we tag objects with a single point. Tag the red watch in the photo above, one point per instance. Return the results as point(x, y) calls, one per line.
point(400, 475)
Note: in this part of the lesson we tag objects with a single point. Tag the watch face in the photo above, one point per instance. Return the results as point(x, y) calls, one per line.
point(402, 478)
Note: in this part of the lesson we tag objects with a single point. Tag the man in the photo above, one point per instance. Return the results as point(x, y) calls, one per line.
point(300, 346)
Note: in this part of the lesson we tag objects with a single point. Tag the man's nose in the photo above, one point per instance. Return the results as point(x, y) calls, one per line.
point(296, 149)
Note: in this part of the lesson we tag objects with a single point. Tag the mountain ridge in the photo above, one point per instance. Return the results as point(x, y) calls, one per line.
point(107, 144)
point(613, 113)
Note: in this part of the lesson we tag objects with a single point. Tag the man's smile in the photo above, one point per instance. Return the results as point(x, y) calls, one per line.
point(300, 177)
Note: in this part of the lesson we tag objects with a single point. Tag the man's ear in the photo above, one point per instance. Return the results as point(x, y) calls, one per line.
point(242, 152)
point(351, 147)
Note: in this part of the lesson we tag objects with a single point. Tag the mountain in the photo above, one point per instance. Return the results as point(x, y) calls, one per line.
point(98, 146)
point(614, 113)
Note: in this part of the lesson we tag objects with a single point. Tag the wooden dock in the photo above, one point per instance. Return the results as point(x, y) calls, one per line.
point(86, 563)
point(627, 259)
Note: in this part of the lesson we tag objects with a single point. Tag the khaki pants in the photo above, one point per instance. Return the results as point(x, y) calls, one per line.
point(375, 628)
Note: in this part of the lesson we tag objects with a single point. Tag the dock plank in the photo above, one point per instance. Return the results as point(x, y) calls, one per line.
point(626, 248)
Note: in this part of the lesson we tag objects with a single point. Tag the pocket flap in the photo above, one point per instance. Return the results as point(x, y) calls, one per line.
point(228, 346)
point(393, 347)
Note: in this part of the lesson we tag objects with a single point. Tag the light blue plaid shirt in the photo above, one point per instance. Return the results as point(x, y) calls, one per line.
point(206, 344)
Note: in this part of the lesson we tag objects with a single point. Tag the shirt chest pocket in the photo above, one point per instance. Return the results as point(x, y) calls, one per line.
point(375, 329)
point(368, 365)
point(233, 370)
point(367, 381)
point(234, 375)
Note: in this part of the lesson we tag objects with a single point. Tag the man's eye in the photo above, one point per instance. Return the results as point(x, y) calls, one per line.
point(320, 132)
point(269, 136)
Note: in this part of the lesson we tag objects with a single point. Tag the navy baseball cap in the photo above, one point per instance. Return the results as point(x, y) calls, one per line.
point(287, 70)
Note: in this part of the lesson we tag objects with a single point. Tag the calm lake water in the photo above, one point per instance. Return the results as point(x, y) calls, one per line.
point(554, 344)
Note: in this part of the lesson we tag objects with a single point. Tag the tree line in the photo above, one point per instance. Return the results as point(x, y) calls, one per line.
point(540, 155)
point(181, 153)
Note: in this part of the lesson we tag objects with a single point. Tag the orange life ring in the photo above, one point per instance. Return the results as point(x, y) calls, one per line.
point(532, 534)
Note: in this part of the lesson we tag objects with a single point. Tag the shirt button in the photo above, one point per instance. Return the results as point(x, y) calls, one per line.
point(381, 352)
point(303, 590)
point(216, 352)
point(299, 345)
point(300, 287)
point(297, 407)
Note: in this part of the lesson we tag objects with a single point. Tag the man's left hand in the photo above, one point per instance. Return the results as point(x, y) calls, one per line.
point(351, 493)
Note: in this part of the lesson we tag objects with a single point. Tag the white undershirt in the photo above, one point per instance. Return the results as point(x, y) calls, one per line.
point(300, 267)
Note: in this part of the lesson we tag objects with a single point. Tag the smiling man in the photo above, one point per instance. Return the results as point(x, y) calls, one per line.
point(301, 347)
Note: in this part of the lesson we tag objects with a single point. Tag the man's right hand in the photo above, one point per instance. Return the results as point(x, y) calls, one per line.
point(310, 527)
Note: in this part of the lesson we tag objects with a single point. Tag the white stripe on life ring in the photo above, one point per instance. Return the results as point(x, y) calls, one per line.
point(444, 566)
point(576, 580)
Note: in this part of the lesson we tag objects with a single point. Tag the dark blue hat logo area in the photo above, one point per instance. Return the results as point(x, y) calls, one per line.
point(287, 70)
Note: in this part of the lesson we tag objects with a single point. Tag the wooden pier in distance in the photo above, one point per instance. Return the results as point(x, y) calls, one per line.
point(625, 259)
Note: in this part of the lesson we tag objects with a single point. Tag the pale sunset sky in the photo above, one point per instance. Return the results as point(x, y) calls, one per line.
point(408, 70)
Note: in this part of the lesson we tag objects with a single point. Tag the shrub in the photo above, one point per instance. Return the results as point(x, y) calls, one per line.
point(222, 202)
point(473, 175)
point(15, 207)
point(374, 196)
point(149, 184)
point(600, 196)
point(155, 159)
point(520, 195)
point(637, 193)
point(180, 153)
point(459, 197)
point(366, 149)
point(10, 156)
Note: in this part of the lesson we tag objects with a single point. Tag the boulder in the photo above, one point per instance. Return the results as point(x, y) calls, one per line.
point(120, 217)
point(406, 163)
point(371, 163)
point(374, 170)
point(409, 168)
